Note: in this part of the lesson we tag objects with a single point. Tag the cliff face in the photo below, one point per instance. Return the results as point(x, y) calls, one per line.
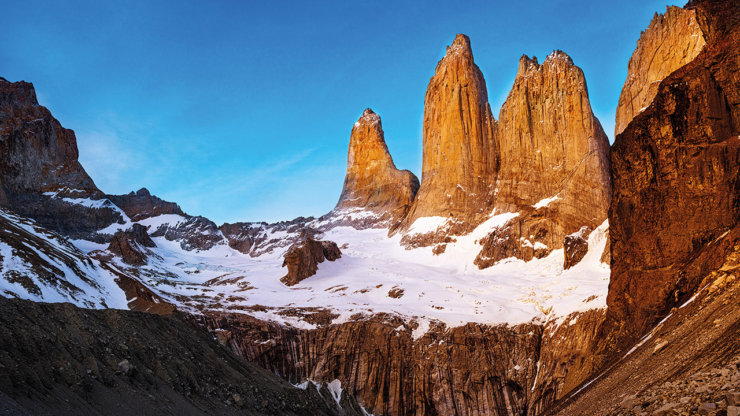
point(671, 41)
point(372, 182)
point(554, 161)
point(676, 181)
point(395, 370)
point(40, 156)
point(38, 153)
point(459, 151)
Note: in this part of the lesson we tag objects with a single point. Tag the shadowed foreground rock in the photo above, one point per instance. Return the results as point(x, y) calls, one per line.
point(62, 360)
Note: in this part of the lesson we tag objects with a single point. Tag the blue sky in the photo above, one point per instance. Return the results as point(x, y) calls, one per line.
point(242, 110)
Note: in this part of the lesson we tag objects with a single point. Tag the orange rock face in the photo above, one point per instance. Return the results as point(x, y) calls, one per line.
point(372, 182)
point(459, 161)
point(554, 161)
point(676, 172)
point(671, 41)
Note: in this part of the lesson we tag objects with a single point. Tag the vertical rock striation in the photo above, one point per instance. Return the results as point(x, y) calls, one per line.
point(671, 41)
point(676, 175)
point(372, 182)
point(459, 150)
point(554, 161)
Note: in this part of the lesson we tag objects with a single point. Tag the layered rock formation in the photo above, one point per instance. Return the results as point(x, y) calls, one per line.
point(459, 148)
point(676, 175)
point(554, 167)
point(130, 244)
point(142, 204)
point(671, 41)
point(394, 368)
point(38, 153)
point(372, 182)
point(303, 258)
point(40, 156)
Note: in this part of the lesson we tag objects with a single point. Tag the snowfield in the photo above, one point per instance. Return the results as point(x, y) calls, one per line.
point(448, 287)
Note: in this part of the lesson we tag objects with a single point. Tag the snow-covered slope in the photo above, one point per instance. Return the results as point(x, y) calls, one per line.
point(39, 265)
point(376, 274)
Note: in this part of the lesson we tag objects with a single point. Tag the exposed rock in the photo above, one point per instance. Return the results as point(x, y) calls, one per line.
point(676, 177)
point(193, 233)
point(39, 155)
point(257, 238)
point(303, 258)
point(576, 246)
point(464, 370)
point(372, 182)
point(130, 245)
point(459, 150)
point(142, 205)
point(697, 363)
point(565, 358)
point(62, 360)
point(671, 41)
point(554, 161)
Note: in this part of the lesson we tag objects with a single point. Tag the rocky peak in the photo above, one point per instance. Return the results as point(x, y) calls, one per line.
point(671, 41)
point(16, 94)
point(554, 157)
point(459, 150)
point(142, 204)
point(529, 65)
point(372, 182)
point(460, 46)
point(38, 153)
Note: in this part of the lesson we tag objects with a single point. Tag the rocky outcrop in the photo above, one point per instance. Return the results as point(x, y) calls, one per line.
point(38, 153)
point(193, 233)
point(372, 182)
point(459, 149)
point(40, 156)
point(575, 247)
point(303, 258)
point(675, 170)
point(671, 41)
point(257, 238)
point(554, 167)
point(142, 205)
point(130, 245)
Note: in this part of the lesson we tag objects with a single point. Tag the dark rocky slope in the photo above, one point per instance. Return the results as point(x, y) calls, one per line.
point(62, 360)
point(689, 359)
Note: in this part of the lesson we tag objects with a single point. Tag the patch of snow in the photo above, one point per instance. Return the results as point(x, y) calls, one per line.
point(545, 202)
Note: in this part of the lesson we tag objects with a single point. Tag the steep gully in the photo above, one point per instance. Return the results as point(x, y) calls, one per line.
point(482, 369)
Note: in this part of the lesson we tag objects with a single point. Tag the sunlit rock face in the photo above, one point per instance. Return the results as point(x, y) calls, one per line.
point(554, 168)
point(671, 41)
point(676, 181)
point(372, 182)
point(459, 148)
